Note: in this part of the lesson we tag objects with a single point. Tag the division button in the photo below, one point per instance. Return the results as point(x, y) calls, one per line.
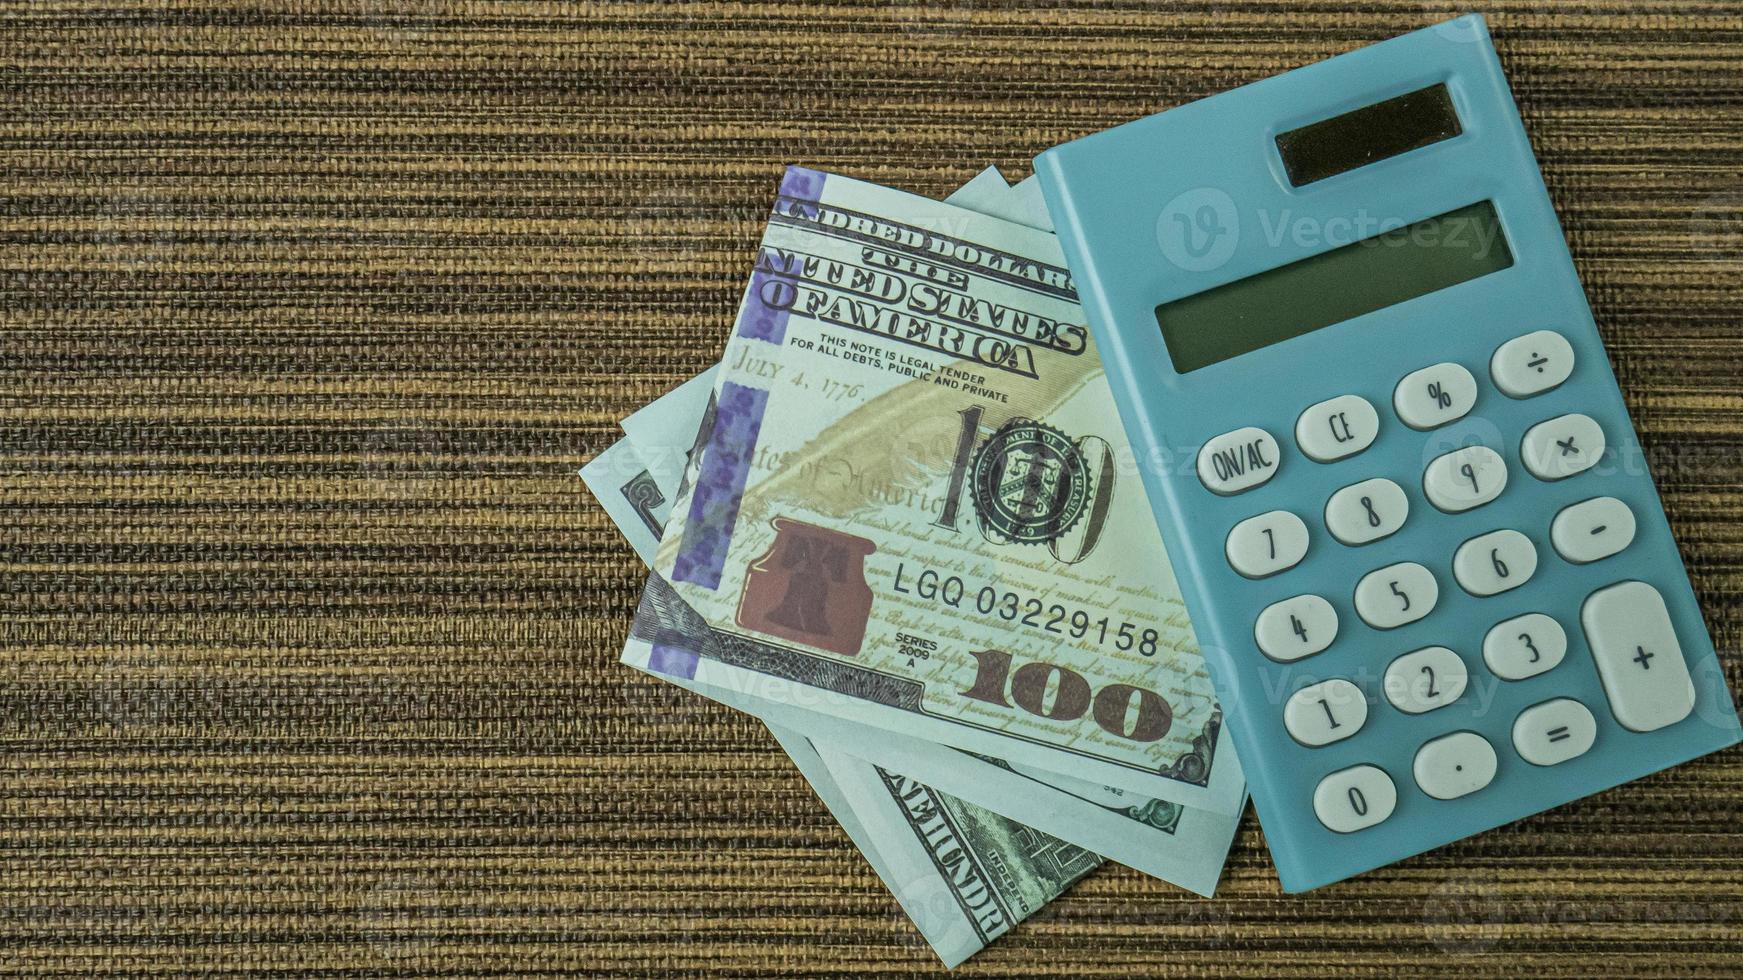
point(1238, 460)
point(1554, 732)
point(1455, 765)
point(1337, 427)
point(1435, 395)
point(1532, 364)
point(1524, 646)
point(1592, 529)
point(1366, 511)
point(1326, 712)
point(1562, 446)
point(1639, 660)
point(1464, 478)
point(1266, 544)
point(1354, 799)
point(1296, 628)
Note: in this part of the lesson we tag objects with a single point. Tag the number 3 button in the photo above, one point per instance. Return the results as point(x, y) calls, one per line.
point(1397, 594)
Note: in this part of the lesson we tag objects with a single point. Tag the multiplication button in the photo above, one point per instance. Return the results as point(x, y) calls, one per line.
point(1638, 656)
point(1562, 446)
point(1238, 460)
point(1532, 364)
point(1354, 799)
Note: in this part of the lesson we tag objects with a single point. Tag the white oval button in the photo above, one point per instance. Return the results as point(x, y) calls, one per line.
point(1464, 478)
point(1397, 594)
point(1266, 544)
point(1524, 646)
point(1634, 643)
point(1435, 395)
point(1554, 732)
point(1366, 511)
point(1425, 679)
point(1562, 446)
point(1592, 529)
point(1238, 460)
point(1354, 799)
point(1326, 712)
point(1296, 628)
point(1455, 765)
point(1532, 364)
point(1337, 427)
point(1492, 563)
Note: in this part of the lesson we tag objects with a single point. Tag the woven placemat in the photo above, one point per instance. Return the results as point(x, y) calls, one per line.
point(309, 632)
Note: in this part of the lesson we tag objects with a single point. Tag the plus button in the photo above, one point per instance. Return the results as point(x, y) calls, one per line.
point(1641, 656)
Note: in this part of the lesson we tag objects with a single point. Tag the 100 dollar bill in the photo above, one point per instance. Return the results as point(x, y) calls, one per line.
point(916, 499)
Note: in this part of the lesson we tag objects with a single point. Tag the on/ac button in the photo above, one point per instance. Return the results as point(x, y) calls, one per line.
point(1238, 460)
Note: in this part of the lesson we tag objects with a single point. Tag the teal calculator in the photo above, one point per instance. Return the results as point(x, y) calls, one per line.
point(1416, 532)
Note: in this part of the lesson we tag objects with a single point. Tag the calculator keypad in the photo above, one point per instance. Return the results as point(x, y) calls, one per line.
point(1492, 563)
point(1639, 659)
point(1296, 628)
point(1464, 478)
point(1553, 732)
point(1327, 712)
point(1354, 799)
point(1389, 597)
point(1532, 364)
point(1425, 679)
point(1455, 765)
point(1592, 529)
point(1435, 395)
point(1266, 544)
point(1366, 511)
point(1561, 447)
point(1524, 646)
point(1336, 428)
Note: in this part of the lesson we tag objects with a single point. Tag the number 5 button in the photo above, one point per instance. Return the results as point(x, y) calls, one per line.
point(1266, 544)
point(1397, 594)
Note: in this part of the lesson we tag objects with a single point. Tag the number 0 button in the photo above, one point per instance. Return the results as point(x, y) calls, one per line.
point(1266, 544)
point(1323, 713)
point(1354, 799)
point(1397, 594)
point(1296, 628)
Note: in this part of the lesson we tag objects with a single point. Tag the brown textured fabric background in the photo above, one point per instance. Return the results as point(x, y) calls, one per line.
point(312, 309)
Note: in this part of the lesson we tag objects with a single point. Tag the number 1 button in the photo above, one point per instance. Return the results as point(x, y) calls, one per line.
point(1326, 712)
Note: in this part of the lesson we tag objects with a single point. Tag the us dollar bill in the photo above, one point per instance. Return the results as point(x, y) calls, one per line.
point(1182, 845)
point(917, 498)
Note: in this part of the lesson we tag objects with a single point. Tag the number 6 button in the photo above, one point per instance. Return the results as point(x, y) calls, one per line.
point(1492, 563)
point(1397, 594)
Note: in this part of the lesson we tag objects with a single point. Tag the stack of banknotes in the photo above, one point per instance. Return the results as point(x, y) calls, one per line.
point(900, 523)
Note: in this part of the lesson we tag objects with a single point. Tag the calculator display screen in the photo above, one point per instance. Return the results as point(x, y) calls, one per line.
point(1334, 286)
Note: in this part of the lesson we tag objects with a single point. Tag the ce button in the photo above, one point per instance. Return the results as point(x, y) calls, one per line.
point(1336, 428)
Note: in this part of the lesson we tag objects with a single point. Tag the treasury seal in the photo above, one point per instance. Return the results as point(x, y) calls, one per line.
point(1030, 482)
